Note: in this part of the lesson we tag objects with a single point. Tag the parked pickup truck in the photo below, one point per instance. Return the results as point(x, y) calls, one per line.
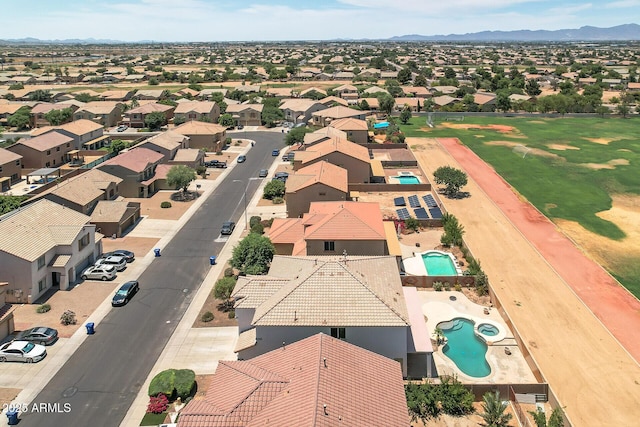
point(215, 164)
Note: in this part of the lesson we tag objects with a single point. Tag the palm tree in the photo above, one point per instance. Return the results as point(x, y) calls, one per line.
point(494, 415)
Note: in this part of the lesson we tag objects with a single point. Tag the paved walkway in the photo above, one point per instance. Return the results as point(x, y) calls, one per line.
point(591, 374)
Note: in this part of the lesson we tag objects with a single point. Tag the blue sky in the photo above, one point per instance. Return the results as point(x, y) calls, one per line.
point(225, 20)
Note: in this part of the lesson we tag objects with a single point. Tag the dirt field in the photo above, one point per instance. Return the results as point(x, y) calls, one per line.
point(595, 379)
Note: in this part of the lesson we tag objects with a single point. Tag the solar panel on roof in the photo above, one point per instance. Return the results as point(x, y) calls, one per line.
point(430, 201)
point(436, 213)
point(414, 202)
point(399, 201)
point(403, 214)
point(421, 213)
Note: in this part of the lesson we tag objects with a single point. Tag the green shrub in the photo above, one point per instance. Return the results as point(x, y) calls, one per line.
point(278, 200)
point(43, 308)
point(412, 224)
point(458, 287)
point(207, 317)
point(257, 228)
point(68, 318)
point(437, 286)
point(185, 383)
point(165, 204)
point(232, 314)
point(273, 189)
point(162, 383)
point(267, 223)
point(254, 220)
point(228, 272)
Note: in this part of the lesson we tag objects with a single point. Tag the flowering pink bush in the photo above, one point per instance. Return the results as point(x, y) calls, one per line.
point(158, 404)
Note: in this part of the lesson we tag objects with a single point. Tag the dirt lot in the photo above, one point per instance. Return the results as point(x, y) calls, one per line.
point(150, 207)
point(576, 354)
point(7, 395)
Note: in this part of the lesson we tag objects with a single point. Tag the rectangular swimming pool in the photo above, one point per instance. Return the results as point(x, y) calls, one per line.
point(408, 179)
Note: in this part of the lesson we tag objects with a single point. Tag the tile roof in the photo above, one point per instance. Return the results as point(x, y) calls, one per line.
point(338, 112)
point(321, 172)
point(187, 155)
point(45, 107)
point(33, 230)
point(202, 107)
point(298, 104)
point(332, 145)
point(46, 142)
point(199, 128)
point(345, 221)
point(237, 108)
point(361, 291)
point(317, 381)
point(7, 156)
point(168, 140)
point(81, 127)
point(137, 159)
point(100, 107)
point(349, 123)
point(323, 134)
point(330, 100)
point(84, 188)
point(150, 107)
point(109, 211)
point(286, 230)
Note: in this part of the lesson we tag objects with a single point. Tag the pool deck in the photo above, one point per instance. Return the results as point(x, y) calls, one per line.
point(438, 307)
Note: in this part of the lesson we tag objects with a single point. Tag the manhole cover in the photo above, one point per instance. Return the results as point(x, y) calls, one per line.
point(70, 392)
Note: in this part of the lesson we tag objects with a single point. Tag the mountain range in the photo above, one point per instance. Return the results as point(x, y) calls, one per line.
point(586, 33)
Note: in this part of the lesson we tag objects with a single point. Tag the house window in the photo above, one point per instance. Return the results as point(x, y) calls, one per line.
point(322, 193)
point(57, 148)
point(42, 284)
point(68, 144)
point(48, 152)
point(0, 168)
point(48, 164)
point(329, 246)
point(84, 241)
point(41, 262)
point(17, 162)
point(340, 333)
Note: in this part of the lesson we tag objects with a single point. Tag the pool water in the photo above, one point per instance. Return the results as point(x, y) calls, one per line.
point(408, 179)
point(381, 125)
point(465, 349)
point(488, 330)
point(438, 264)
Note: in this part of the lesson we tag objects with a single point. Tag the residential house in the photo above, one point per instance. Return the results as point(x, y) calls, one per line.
point(151, 94)
point(485, 100)
point(374, 90)
point(166, 143)
point(10, 169)
point(209, 136)
point(135, 118)
point(190, 157)
point(313, 93)
point(44, 151)
point(322, 134)
point(42, 246)
point(116, 95)
point(136, 167)
point(105, 113)
point(417, 91)
point(310, 383)
point(7, 324)
point(185, 93)
point(300, 110)
point(246, 114)
point(441, 101)
point(414, 104)
point(37, 115)
point(348, 92)
point(631, 87)
point(443, 90)
point(203, 111)
point(86, 134)
point(324, 117)
point(332, 101)
point(280, 92)
point(358, 299)
point(7, 110)
point(321, 181)
point(357, 130)
point(207, 94)
point(333, 228)
point(114, 217)
point(341, 152)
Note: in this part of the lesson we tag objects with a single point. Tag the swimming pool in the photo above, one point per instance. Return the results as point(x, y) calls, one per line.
point(439, 264)
point(408, 179)
point(381, 125)
point(465, 348)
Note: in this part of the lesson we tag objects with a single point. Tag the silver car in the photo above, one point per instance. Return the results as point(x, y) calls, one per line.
point(119, 262)
point(22, 351)
point(99, 272)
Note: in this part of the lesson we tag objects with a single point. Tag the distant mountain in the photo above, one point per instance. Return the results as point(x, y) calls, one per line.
point(34, 41)
point(587, 33)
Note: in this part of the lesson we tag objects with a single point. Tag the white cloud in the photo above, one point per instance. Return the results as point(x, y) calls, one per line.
point(431, 8)
point(570, 9)
point(622, 4)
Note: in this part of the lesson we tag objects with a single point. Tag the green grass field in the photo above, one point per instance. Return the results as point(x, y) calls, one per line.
point(560, 185)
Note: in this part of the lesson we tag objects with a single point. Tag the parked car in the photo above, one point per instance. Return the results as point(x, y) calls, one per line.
point(275, 153)
point(22, 351)
point(282, 176)
point(125, 293)
point(220, 165)
point(122, 128)
point(240, 127)
point(40, 335)
point(227, 228)
point(263, 173)
point(288, 157)
point(120, 263)
point(242, 159)
point(127, 255)
point(99, 272)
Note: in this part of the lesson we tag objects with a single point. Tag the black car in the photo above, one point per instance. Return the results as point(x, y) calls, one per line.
point(40, 335)
point(211, 163)
point(263, 173)
point(127, 255)
point(282, 176)
point(125, 293)
point(227, 228)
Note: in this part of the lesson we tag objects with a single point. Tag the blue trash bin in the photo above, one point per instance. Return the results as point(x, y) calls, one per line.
point(12, 417)
point(90, 328)
point(212, 260)
point(157, 252)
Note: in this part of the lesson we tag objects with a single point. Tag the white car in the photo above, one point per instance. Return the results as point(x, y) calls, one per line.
point(22, 351)
point(119, 262)
point(99, 272)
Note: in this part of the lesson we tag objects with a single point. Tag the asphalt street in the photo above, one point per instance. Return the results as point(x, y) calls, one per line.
point(102, 378)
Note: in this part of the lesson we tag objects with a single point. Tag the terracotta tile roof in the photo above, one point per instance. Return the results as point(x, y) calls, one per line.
point(346, 221)
point(151, 107)
point(444, 100)
point(330, 100)
point(45, 107)
point(318, 381)
point(199, 128)
point(187, 155)
point(80, 127)
point(324, 134)
point(7, 156)
point(169, 140)
point(342, 88)
point(482, 98)
point(100, 107)
point(321, 172)
point(46, 142)
point(363, 291)
point(137, 159)
point(162, 170)
point(286, 230)
point(338, 112)
point(332, 145)
point(202, 107)
point(237, 108)
point(10, 108)
point(35, 229)
point(313, 89)
point(349, 124)
point(298, 104)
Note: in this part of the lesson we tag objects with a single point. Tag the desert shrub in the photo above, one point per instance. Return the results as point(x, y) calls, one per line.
point(254, 220)
point(437, 286)
point(43, 308)
point(185, 383)
point(458, 287)
point(278, 200)
point(447, 286)
point(232, 314)
point(273, 189)
point(165, 204)
point(206, 317)
point(228, 272)
point(482, 284)
point(412, 224)
point(267, 223)
point(257, 228)
point(157, 404)
point(68, 318)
